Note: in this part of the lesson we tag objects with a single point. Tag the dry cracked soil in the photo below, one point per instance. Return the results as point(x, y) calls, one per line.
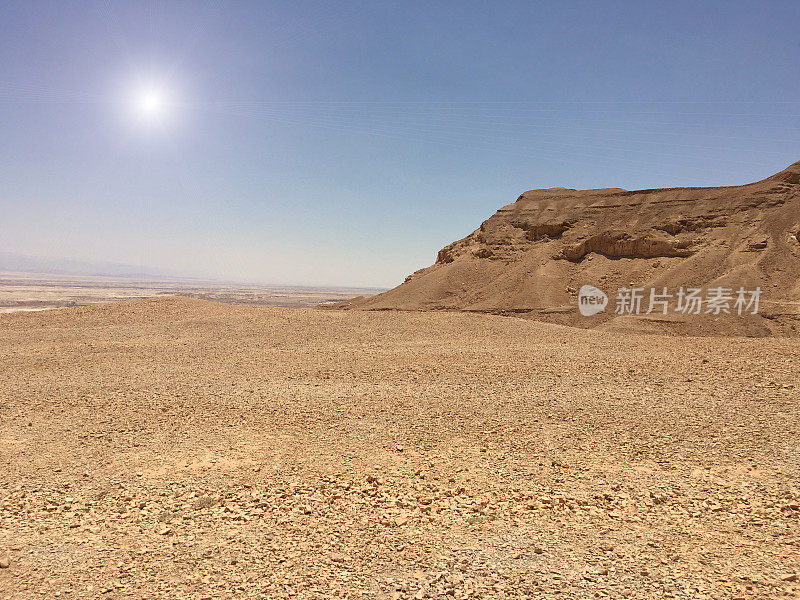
point(178, 448)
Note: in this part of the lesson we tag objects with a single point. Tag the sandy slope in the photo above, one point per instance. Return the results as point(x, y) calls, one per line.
point(176, 448)
point(531, 257)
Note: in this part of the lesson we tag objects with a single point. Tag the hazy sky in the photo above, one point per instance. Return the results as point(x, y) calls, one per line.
point(346, 142)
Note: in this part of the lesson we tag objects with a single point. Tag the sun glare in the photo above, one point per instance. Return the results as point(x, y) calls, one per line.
point(148, 105)
point(151, 104)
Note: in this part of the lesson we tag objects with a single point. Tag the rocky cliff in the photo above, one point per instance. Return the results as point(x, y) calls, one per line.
point(532, 257)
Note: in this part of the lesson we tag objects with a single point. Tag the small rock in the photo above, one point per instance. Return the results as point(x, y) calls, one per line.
point(5, 562)
point(791, 577)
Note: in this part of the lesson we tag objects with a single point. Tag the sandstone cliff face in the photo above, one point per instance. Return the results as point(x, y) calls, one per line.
point(532, 256)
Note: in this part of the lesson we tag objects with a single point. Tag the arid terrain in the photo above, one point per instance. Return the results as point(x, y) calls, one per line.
point(21, 292)
point(180, 448)
point(532, 257)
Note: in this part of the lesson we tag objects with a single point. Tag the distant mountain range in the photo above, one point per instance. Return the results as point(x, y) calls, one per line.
point(10, 261)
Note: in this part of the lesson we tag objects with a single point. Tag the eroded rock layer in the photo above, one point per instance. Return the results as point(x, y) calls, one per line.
point(531, 257)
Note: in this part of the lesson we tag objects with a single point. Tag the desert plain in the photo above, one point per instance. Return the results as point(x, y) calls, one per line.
point(31, 291)
point(181, 448)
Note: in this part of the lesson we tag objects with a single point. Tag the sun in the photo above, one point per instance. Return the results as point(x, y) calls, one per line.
point(151, 104)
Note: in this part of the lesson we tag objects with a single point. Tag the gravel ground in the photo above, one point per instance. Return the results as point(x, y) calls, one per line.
point(176, 448)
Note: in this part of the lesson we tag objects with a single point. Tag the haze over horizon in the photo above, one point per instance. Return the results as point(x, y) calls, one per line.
point(321, 145)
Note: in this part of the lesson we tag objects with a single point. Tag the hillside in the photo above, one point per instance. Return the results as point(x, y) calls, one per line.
point(532, 257)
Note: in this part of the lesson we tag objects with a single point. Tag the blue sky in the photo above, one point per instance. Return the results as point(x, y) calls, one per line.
point(345, 143)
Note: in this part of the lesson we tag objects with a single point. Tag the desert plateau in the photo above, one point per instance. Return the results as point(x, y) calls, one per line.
point(532, 257)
